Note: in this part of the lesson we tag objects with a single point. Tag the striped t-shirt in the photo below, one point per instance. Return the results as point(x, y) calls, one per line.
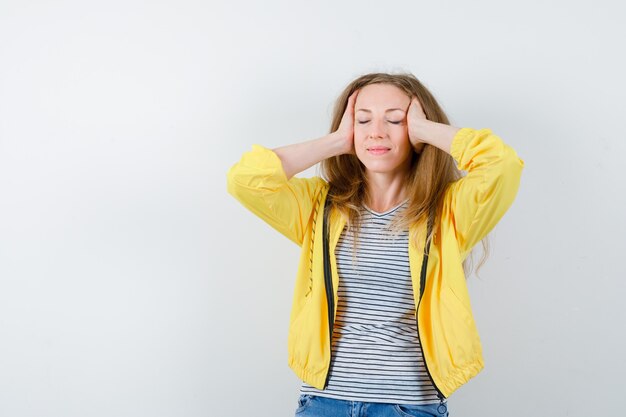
point(376, 356)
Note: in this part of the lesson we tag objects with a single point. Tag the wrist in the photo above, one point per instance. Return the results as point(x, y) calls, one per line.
point(436, 134)
point(419, 129)
point(337, 144)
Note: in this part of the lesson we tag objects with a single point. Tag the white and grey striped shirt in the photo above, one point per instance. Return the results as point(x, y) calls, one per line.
point(376, 356)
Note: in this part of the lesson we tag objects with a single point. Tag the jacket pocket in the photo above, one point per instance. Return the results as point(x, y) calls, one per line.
point(457, 320)
point(462, 301)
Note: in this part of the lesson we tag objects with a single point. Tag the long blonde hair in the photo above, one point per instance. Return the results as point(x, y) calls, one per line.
point(430, 172)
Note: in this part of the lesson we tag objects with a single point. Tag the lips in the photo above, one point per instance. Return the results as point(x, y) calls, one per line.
point(378, 150)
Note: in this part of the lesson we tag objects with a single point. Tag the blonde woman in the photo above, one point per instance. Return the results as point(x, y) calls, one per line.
point(381, 322)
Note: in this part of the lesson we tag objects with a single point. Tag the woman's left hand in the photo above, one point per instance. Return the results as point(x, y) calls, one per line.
point(415, 119)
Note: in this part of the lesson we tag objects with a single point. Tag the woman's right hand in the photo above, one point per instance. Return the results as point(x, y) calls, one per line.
point(297, 157)
point(345, 131)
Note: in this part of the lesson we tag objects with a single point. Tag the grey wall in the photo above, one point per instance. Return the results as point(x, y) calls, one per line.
point(132, 284)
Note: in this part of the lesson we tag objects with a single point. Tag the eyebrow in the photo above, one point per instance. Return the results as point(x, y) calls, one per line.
point(388, 110)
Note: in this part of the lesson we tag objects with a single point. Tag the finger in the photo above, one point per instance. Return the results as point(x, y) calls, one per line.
point(419, 108)
point(352, 99)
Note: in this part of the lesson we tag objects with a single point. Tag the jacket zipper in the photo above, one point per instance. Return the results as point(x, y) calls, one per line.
point(439, 393)
point(442, 406)
point(328, 282)
point(331, 308)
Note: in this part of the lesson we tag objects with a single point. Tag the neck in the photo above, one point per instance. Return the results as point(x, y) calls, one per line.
point(385, 192)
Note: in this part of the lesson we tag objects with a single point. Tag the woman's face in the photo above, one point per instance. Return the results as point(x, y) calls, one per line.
point(381, 139)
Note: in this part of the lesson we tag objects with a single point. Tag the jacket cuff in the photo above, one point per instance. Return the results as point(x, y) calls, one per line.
point(459, 143)
point(265, 159)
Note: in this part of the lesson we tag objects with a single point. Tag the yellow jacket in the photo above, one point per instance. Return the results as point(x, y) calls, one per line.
point(472, 206)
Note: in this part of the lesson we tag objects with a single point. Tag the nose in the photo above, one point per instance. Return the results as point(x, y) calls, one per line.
point(377, 129)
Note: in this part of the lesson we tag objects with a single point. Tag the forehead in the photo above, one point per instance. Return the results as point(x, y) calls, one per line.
point(375, 96)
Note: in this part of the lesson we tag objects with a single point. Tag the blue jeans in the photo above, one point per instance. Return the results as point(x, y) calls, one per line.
point(315, 406)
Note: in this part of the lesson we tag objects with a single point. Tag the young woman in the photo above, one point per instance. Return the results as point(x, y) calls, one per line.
point(381, 322)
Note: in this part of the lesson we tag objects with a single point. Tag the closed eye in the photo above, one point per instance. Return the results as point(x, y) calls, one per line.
point(362, 122)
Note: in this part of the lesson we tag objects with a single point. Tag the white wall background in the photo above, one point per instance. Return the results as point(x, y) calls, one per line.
point(132, 284)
